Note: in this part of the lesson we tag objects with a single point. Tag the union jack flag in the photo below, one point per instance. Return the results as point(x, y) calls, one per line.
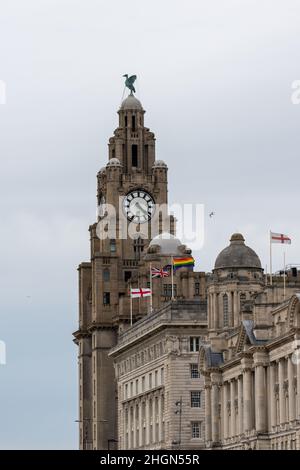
point(156, 272)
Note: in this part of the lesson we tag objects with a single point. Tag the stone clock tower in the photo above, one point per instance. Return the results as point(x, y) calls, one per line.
point(133, 183)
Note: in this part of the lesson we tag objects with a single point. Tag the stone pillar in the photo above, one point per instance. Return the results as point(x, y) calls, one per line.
point(215, 380)
point(154, 418)
point(260, 359)
point(297, 360)
point(235, 308)
point(230, 308)
point(247, 394)
point(129, 428)
point(160, 418)
point(292, 410)
point(147, 422)
point(216, 312)
point(140, 423)
point(208, 409)
point(134, 443)
point(232, 408)
point(240, 405)
point(272, 394)
point(281, 391)
point(225, 410)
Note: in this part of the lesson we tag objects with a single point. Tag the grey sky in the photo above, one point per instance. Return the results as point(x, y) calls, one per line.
point(215, 78)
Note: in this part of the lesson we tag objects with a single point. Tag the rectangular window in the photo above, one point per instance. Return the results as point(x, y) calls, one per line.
point(113, 245)
point(131, 389)
point(126, 391)
point(150, 380)
point(156, 378)
point(197, 288)
point(106, 298)
point(194, 343)
point(162, 376)
point(196, 429)
point(143, 384)
point(195, 399)
point(127, 275)
point(134, 155)
point(194, 371)
point(167, 290)
point(137, 386)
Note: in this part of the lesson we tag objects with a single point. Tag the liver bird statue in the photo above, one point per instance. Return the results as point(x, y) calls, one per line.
point(129, 82)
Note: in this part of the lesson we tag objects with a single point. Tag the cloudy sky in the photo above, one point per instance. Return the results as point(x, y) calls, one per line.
point(215, 77)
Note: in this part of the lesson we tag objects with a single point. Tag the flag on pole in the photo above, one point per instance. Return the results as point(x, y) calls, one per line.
point(159, 272)
point(184, 262)
point(140, 293)
point(280, 238)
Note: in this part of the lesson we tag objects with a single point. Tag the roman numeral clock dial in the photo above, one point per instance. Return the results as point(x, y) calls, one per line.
point(138, 206)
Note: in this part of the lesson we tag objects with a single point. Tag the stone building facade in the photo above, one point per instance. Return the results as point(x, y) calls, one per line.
point(216, 366)
point(132, 179)
point(160, 390)
point(251, 363)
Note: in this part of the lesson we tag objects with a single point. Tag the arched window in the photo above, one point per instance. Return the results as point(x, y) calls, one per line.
point(225, 310)
point(106, 275)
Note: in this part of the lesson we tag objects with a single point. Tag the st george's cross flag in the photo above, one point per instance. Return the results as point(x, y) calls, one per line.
point(159, 272)
point(280, 238)
point(140, 293)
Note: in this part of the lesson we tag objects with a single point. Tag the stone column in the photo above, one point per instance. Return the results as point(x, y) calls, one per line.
point(230, 308)
point(208, 409)
point(232, 408)
point(215, 380)
point(272, 394)
point(129, 428)
point(215, 308)
point(281, 391)
point(247, 394)
point(235, 308)
point(140, 423)
point(159, 418)
point(260, 359)
point(147, 422)
point(240, 404)
point(297, 360)
point(154, 418)
point(292, 410)
point(225, 410)
point(134, 443)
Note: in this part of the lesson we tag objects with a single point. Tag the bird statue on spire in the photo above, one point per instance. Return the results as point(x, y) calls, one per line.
point(129, 82)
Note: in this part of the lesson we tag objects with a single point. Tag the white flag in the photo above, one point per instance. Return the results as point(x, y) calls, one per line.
point(280, 238)
point(141, 292)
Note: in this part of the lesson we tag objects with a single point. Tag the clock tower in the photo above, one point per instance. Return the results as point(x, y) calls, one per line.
point(131, 190)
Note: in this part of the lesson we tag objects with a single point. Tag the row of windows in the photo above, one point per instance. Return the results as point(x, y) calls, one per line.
point(139, 385)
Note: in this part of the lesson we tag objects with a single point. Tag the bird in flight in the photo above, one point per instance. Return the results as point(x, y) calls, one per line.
point(211, 214)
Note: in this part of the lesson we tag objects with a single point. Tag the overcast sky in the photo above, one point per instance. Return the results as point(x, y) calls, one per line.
point(215, 78)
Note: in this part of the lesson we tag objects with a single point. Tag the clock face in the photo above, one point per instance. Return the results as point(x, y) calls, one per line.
point(138, 206)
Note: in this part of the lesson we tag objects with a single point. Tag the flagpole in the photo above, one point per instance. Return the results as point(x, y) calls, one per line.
point(130, 306)
point(151, 300)
point(172, 277)
point(284, 275)
point(271, 280)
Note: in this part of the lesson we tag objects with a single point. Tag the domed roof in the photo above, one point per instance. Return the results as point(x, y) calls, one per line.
point(237, 255)
point(159, 164)
point(131, 102)
point(114, 162)
point(168, 244)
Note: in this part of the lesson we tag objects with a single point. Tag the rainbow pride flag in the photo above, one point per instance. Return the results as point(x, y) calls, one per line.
point(185, 262)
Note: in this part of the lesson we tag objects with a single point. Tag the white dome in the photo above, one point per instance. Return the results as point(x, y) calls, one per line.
point(131, 102)
point(169, 245)
point(114, 162)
